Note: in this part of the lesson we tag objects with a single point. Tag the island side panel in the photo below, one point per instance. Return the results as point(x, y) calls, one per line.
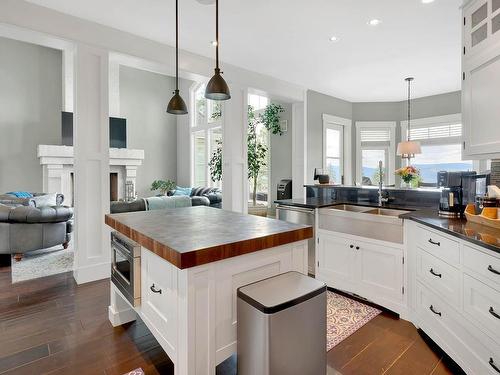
point(194, 317)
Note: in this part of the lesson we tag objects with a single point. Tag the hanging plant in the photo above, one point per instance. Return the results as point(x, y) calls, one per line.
point(270, 118)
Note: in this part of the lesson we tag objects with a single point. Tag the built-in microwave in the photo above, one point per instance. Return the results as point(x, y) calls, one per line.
point(126, 267)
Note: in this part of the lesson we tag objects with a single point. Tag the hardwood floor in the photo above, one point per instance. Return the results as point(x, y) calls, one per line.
point(52, 326)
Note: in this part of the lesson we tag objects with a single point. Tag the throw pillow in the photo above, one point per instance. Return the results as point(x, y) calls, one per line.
point(46, 200)
point(21, 194)
point(182, 191)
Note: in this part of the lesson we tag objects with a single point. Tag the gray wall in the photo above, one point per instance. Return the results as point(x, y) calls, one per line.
point(317, 105)
point(281, 152)
point(143, 101)
point(30, 111)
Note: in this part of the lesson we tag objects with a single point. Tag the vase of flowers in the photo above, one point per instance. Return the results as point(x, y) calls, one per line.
point(410, 176)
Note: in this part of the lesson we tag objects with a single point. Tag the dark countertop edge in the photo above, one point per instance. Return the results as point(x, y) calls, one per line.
point(211, 254)
point(450, 232)
point(373, 187)
point(337, 203)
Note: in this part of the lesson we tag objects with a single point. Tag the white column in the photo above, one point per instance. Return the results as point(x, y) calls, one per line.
point(52, 178)
point(114, 89)
point(68, 77)
point(299, 154)
point(91, 161)
point(234, 152)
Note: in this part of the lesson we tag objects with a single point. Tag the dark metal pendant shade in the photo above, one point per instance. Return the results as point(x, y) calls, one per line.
point(217, 88)
point(176, 105)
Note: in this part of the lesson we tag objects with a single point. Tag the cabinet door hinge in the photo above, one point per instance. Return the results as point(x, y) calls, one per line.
point(403, 289)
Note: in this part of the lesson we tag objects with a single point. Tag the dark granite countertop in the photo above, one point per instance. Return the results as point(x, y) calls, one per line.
point(191, 236)
point(478, 234)
point(321, 203)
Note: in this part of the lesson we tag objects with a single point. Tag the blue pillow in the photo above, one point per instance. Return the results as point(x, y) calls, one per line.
point(21, 194)
point(182, 191)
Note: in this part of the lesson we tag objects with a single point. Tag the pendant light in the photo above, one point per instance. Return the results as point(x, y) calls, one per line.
point(408, 149)
point(176, 105)
point(217, 88)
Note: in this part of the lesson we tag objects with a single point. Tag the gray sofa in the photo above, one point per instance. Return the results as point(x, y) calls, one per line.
point(34, 223)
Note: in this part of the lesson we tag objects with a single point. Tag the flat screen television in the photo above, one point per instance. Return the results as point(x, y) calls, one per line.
point(67, 128)
point(117, 131)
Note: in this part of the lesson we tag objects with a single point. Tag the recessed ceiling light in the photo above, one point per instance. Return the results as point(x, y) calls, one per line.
point(374, 22)
point(213, 43)
point(333, 38)
point(427, 1)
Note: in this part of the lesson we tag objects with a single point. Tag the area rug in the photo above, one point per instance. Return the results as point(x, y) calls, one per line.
point(44, 262)
point(137, 371)
point(344, 317)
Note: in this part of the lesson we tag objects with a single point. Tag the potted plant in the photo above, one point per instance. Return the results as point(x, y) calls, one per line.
point(410, 176)
point(256, 150)
point(163, 186)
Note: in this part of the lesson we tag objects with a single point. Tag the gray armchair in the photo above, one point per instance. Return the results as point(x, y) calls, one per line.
point(27, 224)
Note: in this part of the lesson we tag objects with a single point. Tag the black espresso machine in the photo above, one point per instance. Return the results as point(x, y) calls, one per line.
point(458, 190)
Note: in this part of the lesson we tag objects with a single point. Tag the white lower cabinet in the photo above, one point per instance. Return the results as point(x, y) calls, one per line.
point(455, 299)
point(372, 270)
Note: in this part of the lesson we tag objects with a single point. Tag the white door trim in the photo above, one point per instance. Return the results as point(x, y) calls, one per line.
point(347, 149)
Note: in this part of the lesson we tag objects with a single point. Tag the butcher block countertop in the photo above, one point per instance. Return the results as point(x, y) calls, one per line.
point(192, 236)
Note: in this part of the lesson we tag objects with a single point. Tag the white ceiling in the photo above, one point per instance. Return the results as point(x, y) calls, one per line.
point(289, 39)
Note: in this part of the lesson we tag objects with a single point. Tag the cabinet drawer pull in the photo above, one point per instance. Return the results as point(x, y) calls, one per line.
point(435, 274)
point(491, 269)
point(154, 290)
point(357, 247)
point(351, 246)
point(492, 312)
point(492, 364)
point(434, 311)
point(434, 243)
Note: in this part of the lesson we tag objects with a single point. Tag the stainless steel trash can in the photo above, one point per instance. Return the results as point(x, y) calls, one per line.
point(282, 326)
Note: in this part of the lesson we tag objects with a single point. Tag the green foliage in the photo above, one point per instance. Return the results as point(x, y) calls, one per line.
point(215, 163)
point(163, 186)
point(270, 118)
point(257, 151)
point(217, 112)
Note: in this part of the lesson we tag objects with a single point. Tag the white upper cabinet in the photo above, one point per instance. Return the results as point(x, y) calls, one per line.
point(481, 79)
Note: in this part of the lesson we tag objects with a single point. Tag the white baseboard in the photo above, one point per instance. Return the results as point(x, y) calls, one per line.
point(117, 318)
point(93, 272)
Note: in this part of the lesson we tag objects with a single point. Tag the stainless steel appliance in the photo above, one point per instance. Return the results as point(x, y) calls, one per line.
point(284, 189)
point(450, 203)
point(126, 267)
point(281, 326)
point(299, 215)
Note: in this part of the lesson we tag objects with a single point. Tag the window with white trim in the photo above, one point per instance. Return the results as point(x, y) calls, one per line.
point(375, 142)
point(441, 142)
point(206, 136)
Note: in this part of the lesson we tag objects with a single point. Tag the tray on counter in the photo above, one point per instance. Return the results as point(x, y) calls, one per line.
point(489, 216)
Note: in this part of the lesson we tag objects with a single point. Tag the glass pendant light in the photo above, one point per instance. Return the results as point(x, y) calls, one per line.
point(217, 88)
point(408, 149)
point(176, 105)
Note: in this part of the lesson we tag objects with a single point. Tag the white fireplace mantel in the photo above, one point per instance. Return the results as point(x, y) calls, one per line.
point(57, 163)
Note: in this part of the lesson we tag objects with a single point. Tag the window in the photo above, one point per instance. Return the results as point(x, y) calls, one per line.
point(336, 140)
point(206, 137)
point(263, 137)
point(334, 164)
point(375, 142)
point(440, 138)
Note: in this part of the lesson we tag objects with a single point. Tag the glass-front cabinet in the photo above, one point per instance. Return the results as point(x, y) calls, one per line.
point(481, 79)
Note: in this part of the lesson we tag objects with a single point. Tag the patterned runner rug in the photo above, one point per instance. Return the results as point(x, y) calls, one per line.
point(344, 317)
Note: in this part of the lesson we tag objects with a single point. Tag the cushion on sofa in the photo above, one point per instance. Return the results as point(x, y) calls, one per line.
point(24, 214)
point(117, 207)
point(200, 201)
point(160, 203)
point(5, 212)
point(45, 200)
point(180, 191)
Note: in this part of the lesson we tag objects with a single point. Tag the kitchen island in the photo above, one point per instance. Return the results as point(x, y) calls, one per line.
point(192, 262)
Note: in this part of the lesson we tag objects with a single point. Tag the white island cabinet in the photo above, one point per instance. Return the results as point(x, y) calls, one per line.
point(188, 297)
point(481, 79)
